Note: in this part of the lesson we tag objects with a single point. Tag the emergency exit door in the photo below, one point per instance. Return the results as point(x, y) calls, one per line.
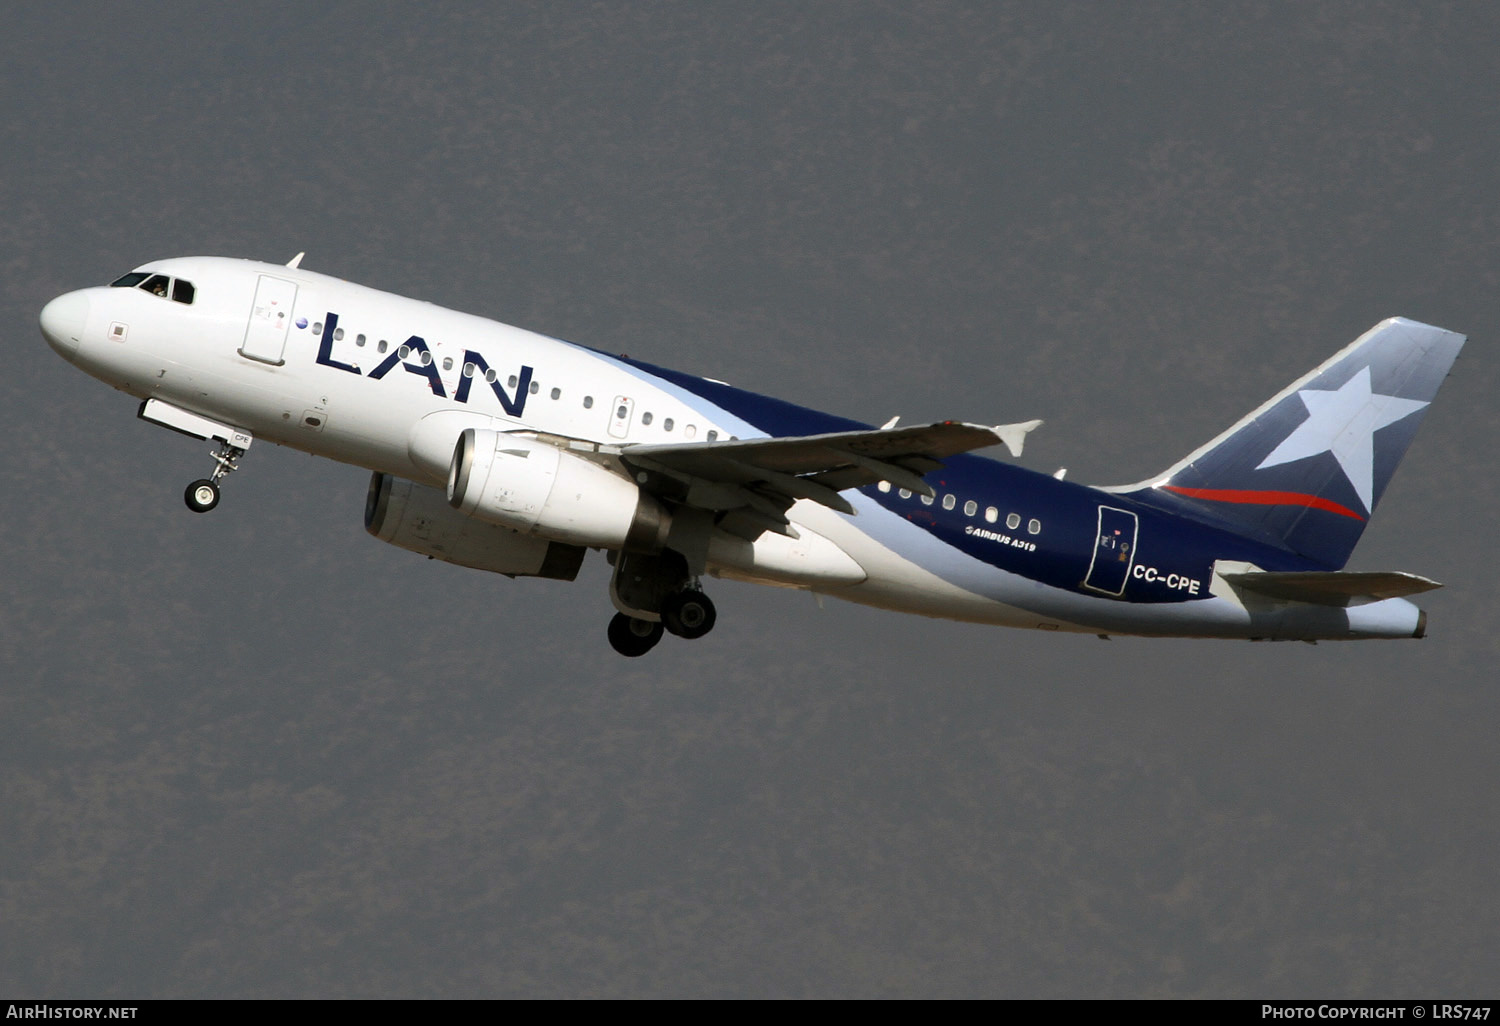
point(619, 420)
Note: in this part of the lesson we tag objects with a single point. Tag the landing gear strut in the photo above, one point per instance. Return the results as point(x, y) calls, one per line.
point(203, 495)
point(655, 594)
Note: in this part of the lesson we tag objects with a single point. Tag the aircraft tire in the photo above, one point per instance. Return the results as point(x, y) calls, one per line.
point(201, 496)
point(689, 614)
point(631, 637)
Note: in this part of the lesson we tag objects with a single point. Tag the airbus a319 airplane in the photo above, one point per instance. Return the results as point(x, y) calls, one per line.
point(500, 449)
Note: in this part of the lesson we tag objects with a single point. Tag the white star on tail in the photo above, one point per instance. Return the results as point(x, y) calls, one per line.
point(1344, 422)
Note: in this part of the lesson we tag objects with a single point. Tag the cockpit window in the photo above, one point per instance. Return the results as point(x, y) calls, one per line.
point(158, 285)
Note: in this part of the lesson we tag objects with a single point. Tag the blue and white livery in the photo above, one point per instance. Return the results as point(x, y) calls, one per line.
point(504, 450)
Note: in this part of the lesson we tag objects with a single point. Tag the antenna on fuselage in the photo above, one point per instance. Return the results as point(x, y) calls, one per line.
point(294, 261)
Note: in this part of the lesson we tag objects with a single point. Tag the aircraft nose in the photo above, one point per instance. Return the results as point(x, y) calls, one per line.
point(63, 321)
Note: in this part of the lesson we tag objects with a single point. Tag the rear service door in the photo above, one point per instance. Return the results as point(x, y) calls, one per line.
point(1114, 551)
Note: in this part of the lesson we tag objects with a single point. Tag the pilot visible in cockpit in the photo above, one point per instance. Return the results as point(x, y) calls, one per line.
point(178, 290)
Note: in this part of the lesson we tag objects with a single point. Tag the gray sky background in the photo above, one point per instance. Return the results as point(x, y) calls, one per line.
point(258, 753)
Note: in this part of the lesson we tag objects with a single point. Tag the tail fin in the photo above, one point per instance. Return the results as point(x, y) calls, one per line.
point(1306, 470)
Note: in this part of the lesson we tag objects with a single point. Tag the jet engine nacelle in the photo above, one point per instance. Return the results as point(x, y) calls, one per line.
point(538, 488)
point(418, 518)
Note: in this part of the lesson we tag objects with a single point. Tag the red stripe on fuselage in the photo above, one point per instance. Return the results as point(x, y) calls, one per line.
point(1264, 499)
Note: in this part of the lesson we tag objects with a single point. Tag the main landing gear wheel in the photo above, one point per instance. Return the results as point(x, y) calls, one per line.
point(202, 496)
point(688, 614)
point(632, 637)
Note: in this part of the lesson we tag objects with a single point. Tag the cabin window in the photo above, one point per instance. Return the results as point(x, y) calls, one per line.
point(690, 431)
point(383, 346)
point(970, 508)
point(183, 291)
point(927, 500)
point(949, 501)
point(884, 486)
point(535, 388)
point(588, 402)
point(666, 425)
point(359, 340)
point(905, 493)
point(991, 514)
point(512, 382)
point(645, 418)
point(713, 436)
point(556, 393)
point(338, 334)
point(1013, 520)
point(129, 281)
point(490, 375)
point(469, 369)
point(426, 359)
point(447, 363)
point(404, 352)
point(317, 327)
point(1033, 527)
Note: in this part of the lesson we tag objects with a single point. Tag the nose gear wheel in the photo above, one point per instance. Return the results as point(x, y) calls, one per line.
point(202, 496)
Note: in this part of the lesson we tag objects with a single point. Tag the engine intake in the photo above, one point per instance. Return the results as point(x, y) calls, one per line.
point(540, 489)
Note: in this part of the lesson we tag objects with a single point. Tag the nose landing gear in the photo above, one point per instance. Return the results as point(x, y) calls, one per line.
point(203, 495)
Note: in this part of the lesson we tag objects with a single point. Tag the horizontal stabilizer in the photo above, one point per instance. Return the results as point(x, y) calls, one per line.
point(1332, 588)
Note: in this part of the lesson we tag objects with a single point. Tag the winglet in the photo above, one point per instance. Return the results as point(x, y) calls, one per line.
point(890, 423)
point(1014, 435)
point(296, 260)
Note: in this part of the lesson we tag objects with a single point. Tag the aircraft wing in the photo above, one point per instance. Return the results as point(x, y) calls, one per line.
point(758, 479)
